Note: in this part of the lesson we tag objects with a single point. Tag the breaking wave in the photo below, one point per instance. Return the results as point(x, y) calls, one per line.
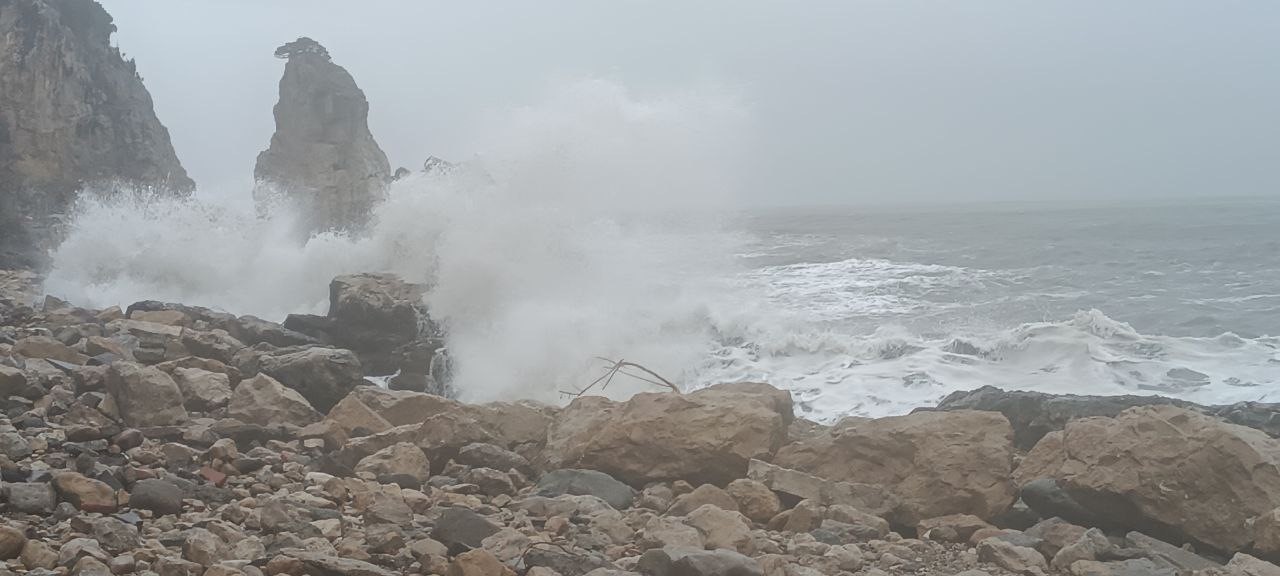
point(839, 342)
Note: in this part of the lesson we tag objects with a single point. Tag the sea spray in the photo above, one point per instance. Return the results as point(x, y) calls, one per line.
point(587, 226)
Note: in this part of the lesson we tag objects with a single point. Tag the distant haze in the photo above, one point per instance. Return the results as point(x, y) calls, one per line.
point(874, 101)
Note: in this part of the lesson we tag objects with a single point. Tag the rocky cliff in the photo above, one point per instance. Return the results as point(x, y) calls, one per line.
point(73, 112)
point(322, 157)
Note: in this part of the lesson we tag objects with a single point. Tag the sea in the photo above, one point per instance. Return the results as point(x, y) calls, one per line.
point(1178, 298)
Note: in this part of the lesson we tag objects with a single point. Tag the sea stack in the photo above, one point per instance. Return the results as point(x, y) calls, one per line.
point(323, 160)
point(73, 113)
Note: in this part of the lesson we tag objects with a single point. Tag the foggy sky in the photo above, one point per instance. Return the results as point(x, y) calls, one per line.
point(849, 101)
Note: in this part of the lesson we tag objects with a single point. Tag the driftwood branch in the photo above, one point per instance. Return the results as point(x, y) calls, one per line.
point(617, 367)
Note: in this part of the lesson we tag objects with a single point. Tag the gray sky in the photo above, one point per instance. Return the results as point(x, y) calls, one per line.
point(850, 101)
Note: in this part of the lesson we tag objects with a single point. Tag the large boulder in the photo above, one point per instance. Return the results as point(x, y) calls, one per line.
point(322, 375)
point(263, 401)
point(374, 314)
point(707, 436)
point(1034, 414)
point(936, 463)
point(203, 390)
point(1164, 471)
point(145, 395)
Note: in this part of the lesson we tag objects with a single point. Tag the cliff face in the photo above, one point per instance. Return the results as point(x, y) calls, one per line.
point(322, 158)
point(73, 112)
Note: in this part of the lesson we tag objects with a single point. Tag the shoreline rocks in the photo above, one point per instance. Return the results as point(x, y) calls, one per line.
point(232, 446)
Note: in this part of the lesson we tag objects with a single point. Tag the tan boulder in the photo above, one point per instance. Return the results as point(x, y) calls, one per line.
point(85, 493)
point(263, 401)
point(706, 494)
point(510, 423)
point(351, 414)
point(722, 528)
point(401, 458)
point(707, 436)
point(755, 500)
point(935, 463)
point(872, 498)
point(145, 396)
point(1162, 469)
point(1245, 565)
point(48, 348)
point(478, 562)
point(440, 436)
point(201, 389)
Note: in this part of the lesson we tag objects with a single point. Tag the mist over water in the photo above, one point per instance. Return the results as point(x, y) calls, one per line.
point(603, 223)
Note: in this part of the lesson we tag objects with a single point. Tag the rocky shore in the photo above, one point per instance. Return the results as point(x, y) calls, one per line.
point(174, 440)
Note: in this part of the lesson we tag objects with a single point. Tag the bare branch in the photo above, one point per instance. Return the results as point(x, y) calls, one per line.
point(615, 368)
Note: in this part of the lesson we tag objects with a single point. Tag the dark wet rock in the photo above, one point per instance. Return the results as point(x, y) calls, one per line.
point(31, 497)
point(115, 536)
point(461, 529)
point(322, 375)
point(491, 456)
point(253, 330)
point(566, 562)
point(586, 483)
point(159, 496)
point(715, 563)
point(1048, 499)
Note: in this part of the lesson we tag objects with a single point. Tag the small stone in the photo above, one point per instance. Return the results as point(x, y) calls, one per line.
point(715, 563)
point(159, 496)
point(1246, 565)
point(664, 531)
point(482, 455)
point(13, 445)
point(168, 566)
point(755, 500)
point(722, 528)
point(12, 541)
point(37, 554)
point(115, 536)
point(32, 497)
point(476, 563)
point(84, 493)
point(89, 566)
point(700, 496)
point(203, 547)
point(586, 483)
point(1018, 559)
point(459, 527)
point(951, 528)
point(401, 458)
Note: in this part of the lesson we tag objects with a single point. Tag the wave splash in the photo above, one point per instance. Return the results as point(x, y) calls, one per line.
point(586, 228)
